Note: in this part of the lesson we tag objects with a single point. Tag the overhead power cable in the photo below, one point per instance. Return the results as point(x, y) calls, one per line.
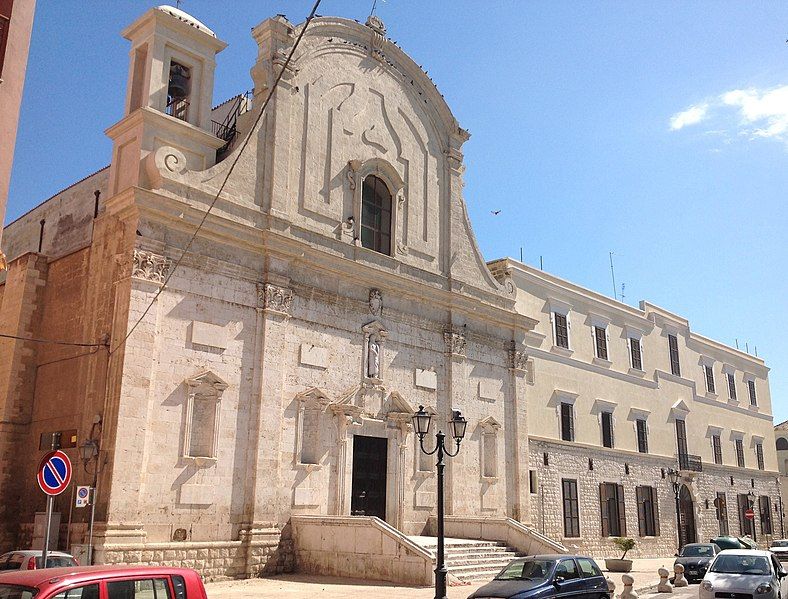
point(224, 182)
point(52, 341)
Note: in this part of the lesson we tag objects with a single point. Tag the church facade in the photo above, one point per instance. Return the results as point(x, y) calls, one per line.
point(258, 388)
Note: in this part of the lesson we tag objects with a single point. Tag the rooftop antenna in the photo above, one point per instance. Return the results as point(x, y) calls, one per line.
point(541, 263)
point(521, 253)
point(622, 291)
point(613, 274)
point(178, 3)
point(374, 6)
point(756, 351)
point(737, 343)
point(747, 347)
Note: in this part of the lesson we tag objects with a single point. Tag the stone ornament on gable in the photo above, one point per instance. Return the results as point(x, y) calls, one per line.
point(455, 342)
point(275, 298)
point(378, 35)
point(150, 267)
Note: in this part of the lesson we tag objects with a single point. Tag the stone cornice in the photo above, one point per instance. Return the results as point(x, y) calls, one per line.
point(264, 233)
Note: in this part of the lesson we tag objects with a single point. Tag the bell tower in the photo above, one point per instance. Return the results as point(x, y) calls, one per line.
point(168, 95)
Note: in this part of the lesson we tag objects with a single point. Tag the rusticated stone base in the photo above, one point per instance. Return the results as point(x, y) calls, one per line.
point(258, 552)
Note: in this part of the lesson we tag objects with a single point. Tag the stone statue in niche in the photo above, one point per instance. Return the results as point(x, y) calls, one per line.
point(373, 356)
point(375, 302)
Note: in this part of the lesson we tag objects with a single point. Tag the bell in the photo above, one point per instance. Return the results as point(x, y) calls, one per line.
point(179, 82)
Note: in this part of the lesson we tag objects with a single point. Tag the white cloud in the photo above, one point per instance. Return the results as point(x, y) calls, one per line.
point(691, 116)
point(766, 110)
point(743, 113)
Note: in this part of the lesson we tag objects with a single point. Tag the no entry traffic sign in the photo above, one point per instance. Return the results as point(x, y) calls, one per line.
point(749, 514)
point(54, 473)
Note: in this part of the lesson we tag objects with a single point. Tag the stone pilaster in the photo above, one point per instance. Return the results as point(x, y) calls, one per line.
point(518, 369)
point(455, 349)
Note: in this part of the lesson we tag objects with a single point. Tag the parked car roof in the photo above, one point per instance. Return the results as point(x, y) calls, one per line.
point(77, 574)
point(36, 552)
point(746, 552)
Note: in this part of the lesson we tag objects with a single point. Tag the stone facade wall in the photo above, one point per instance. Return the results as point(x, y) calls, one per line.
point(566, 461)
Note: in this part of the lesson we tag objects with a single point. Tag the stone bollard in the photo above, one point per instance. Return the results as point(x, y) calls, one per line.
point(628, 593)
point(680, 580)
point(611, 586)
point(664, 585)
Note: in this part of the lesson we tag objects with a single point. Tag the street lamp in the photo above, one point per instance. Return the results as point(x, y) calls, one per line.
point(89, 451)
point(674, 477)
point(457, 425)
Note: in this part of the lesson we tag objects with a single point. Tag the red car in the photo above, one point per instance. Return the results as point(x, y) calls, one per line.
point(103, 582)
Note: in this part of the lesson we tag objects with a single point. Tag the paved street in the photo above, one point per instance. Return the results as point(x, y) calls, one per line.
point(298, 585)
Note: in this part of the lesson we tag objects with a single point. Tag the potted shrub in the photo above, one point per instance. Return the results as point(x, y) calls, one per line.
point(621, 564)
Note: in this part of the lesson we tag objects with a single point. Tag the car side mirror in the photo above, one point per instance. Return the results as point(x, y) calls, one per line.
point(558, 579)
point(782, 574)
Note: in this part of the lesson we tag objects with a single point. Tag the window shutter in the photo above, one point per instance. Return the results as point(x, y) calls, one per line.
point(571, 411)
point(655, 507)
point(641, 501)
point(603, 510)
point(622, 516)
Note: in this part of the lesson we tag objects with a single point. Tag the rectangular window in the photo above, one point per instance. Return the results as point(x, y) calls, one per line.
point(731, 386)
point(611, 500)
point(740, 453)
point(753, 397)
point(533, 481)
point(600, 335)
point(636, 353)
point(642, 429)
point(765, 507)
point(571, 508)
point(648, 511)
point(710, 387)
point(716, 445)
point(561, 330)
point(607, 429)
point(673, 345)
point(721, 505)
point(567, 422)
point(759, 455)
point(490, 455)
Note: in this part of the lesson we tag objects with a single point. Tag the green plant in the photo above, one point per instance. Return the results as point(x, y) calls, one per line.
point(625, 544)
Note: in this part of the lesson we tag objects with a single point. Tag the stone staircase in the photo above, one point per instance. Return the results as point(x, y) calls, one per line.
point(468, 560)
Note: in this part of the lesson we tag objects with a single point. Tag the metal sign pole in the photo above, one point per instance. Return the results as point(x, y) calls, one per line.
point(92, 518)
point(50, 501)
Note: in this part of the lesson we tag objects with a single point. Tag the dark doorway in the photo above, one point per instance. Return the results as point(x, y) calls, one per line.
point(687, 517)
point(369, 477)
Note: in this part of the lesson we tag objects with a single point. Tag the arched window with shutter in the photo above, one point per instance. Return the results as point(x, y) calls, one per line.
point(376, 215)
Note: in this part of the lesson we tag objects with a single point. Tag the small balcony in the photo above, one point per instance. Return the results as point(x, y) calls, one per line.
point(692, 463)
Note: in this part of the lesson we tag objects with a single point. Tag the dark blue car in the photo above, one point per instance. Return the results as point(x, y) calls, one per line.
point(543, 576)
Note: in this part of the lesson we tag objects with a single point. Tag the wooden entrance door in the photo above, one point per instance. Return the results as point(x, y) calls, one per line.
point(687, 531)
point(368, 496)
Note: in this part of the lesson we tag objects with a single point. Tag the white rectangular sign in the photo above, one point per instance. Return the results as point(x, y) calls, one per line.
point(82, 497)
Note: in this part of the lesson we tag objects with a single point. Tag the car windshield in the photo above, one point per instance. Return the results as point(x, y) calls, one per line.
point(57, 561)
point(697, 551)
point(12, 591)
point(755, 565)
point(532, 569)
point(780, 544)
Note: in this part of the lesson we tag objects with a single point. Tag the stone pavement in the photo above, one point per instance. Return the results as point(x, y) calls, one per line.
point(289, 586)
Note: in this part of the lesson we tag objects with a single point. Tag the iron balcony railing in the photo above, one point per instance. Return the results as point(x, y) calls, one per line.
point(693, 463)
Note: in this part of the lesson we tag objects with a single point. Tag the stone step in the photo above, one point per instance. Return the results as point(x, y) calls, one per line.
point(469, 560)
point(469, 545)
point(469, 565)
point(479, 558)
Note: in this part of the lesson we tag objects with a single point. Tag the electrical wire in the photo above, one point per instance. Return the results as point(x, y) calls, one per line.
point(224, 183)
point(53, 341)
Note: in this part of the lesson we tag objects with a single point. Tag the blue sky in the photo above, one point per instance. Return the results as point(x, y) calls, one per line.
point(657, 131)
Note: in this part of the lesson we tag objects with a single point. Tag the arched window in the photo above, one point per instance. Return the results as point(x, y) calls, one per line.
point(782, 444)
point(376, 215)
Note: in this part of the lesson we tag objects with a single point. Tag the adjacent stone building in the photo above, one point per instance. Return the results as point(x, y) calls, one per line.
point(252, 397)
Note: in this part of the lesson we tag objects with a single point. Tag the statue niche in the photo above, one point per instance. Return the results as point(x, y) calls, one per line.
point(374, 337)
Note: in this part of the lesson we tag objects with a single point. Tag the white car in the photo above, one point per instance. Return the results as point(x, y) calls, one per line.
point(743, 573)
point(780, 549)
point(32, 560)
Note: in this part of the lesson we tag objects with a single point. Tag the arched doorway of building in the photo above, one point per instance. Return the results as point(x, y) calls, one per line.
point(687, 531)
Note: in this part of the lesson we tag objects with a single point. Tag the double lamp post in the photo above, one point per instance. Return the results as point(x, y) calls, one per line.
point(457, 424)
